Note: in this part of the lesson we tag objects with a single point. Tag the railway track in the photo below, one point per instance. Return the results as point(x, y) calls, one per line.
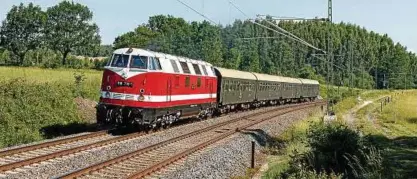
point(32, 151)
point(24, 156)
point(145, 161)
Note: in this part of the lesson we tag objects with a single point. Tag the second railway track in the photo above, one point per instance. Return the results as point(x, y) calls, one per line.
point(145, 161)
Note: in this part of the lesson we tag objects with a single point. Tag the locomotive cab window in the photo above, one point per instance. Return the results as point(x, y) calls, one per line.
point(120, 60)
point(140, 62)
point(155, 63)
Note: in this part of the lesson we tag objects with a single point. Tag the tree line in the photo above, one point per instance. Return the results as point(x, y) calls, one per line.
point(362, 58)
point(30, 36)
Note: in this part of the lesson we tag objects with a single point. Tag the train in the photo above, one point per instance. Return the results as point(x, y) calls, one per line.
point(152, 90)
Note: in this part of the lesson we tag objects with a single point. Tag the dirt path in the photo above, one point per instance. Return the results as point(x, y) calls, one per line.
point(350, 116)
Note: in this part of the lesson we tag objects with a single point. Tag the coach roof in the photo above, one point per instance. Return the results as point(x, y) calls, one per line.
point(265, 77)
point(228, 73)
point(308, 81)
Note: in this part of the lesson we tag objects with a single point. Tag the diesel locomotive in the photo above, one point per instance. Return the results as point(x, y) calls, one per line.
point(151, 89)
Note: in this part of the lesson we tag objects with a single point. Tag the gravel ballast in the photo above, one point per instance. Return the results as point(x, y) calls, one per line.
point(231, 157)
point(58, 167)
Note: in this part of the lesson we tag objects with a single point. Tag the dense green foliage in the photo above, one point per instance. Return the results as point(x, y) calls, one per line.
point(25, 108)
point(37, 102)
point(64, 28)
point(337, 149)
point(68, 27)
point(22, 30)
point(362, 59)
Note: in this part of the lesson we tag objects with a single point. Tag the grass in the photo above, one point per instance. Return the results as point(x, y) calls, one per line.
point(294, 140)
point(393, 129)
point(34, 101)
point(91, 83)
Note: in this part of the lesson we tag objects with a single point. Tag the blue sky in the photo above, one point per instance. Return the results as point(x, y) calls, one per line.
point(114, 17)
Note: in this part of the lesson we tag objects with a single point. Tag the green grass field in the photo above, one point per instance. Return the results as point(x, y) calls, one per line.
point(41, 75)
point(394, 129)
point(40, 103)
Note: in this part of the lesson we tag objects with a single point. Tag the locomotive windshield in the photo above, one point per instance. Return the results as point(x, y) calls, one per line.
point(140, 62)
point(120, 60)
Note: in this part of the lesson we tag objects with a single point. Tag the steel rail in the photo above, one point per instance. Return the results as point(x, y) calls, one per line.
point(160, 165)
point(96, 167)
point(61, 153)
point(51, 143)
point(38, 159)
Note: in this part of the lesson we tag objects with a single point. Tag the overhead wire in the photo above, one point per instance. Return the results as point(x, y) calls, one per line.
point(289, 35)
point(230, 2)
point(294, 36)
point(202, 15)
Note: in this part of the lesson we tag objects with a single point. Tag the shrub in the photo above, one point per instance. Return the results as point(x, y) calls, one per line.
point(27, 107)
point(337, 149)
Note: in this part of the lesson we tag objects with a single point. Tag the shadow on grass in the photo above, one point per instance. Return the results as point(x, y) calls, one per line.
point(412, 120)
point(401, 154)
point(57, 130)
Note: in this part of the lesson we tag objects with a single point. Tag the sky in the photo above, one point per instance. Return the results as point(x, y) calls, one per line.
point(397, 18)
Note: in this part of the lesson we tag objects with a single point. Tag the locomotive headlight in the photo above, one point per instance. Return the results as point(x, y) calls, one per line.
point(107, 94)
point(142, 91)
point(141, 97)
point(108, 88)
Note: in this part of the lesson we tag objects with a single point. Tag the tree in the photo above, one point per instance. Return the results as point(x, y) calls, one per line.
point(69, 27)
point(22, 30)
point(362, 59)
point(139, 38)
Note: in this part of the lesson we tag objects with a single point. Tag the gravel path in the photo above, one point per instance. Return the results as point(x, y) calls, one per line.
point(57, 167)
point(231, 157)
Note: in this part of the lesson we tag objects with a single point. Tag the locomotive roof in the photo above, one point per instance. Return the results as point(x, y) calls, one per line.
point(235, 74)
point(138, 51)
point(265, 77)
point(308, 81)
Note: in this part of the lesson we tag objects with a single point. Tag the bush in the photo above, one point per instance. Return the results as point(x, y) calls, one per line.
point(337, 149)
point(27, 107)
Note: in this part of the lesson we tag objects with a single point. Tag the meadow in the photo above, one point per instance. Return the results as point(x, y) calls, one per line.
point(392, 130)
point(41, 103)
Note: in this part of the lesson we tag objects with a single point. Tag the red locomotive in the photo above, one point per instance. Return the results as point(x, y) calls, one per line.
point(150, 88)
point(153, 89)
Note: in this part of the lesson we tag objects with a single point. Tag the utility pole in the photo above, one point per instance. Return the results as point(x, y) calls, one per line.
point(351, 63)
point(330, 53)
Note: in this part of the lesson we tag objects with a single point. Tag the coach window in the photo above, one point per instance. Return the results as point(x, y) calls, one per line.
point(196, 69)
point(174, 66)
point(184, 67)
point(187, 81)
point(198, 81)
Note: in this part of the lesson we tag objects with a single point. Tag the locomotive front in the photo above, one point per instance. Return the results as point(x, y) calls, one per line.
point(124, 87)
